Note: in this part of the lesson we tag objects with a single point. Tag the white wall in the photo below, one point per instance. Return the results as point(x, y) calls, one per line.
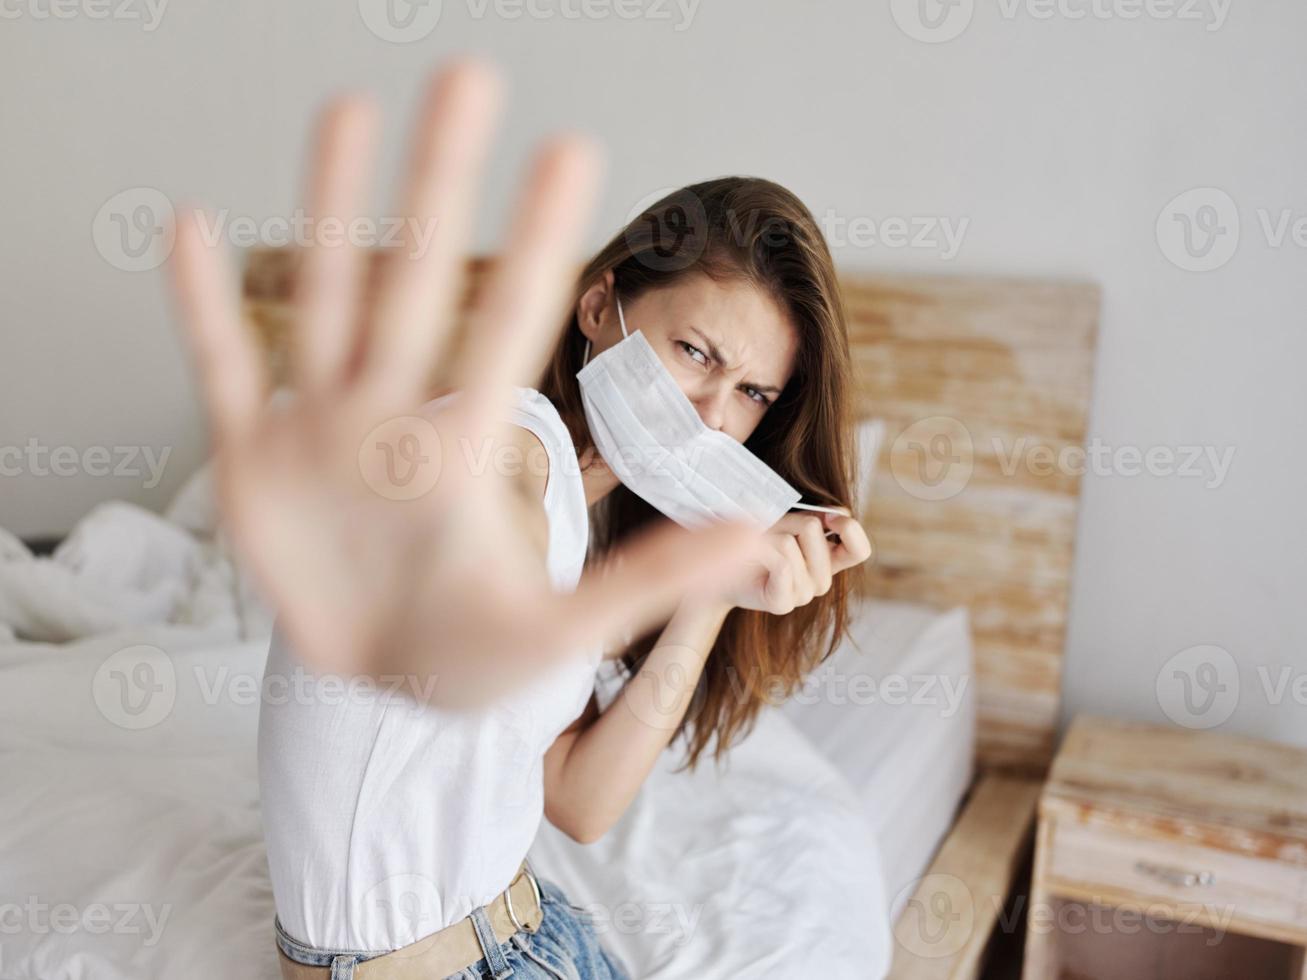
point(1059, 140)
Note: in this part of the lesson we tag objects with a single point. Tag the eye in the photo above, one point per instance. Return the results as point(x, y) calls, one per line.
point(697, 355)
point(756, 396)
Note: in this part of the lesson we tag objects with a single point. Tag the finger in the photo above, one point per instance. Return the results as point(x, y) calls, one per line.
point(854, 547)
point(794, 522)
point(803, 589)
point(778, 588)
point(422, 277)
point(331, 274)
point(523, 305)
point(642, 582)
point(778, 583)
point(230, 371)
point(817, 553)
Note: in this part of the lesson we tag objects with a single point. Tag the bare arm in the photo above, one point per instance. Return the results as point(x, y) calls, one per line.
point(595, 768)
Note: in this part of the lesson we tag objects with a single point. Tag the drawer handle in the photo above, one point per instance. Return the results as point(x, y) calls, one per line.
point(1175, 876)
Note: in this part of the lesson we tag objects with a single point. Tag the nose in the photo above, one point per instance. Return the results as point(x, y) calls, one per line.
point(711, 404)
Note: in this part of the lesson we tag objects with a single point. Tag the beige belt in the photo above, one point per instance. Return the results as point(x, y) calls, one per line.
point(453, 948)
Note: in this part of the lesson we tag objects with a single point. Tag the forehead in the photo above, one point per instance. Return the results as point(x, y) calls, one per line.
point(744, 321)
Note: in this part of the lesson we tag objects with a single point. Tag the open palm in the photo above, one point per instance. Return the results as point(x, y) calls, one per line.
point(386, 543)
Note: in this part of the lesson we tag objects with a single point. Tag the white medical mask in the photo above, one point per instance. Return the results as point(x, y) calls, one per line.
point(653, 440)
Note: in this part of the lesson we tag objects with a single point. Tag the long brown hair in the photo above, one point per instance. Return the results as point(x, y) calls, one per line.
point(751, 229)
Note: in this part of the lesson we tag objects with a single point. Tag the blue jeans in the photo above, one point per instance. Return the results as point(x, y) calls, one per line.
point(565, 947)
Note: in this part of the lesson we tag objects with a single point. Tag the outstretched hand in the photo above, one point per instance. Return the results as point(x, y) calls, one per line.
point(380, 535)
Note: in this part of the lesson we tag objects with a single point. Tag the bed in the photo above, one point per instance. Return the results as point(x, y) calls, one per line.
point(153, 822)
point(770, 870)
point(140, 798)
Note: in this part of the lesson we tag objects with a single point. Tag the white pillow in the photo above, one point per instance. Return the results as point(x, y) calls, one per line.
point(893, 709)
point(870, 437)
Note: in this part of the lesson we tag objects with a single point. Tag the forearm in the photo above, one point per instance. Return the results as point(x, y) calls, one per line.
point(610, 759)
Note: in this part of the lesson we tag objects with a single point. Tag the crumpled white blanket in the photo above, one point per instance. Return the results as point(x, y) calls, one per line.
point(124, 566)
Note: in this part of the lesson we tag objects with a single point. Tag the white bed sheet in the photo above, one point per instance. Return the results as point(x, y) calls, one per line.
point(764, 867)
point(155, 829)
point(744, 873)
point(747, 871)
point(894, 709)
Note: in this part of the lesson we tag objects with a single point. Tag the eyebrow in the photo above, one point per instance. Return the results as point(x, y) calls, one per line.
point(716, 355)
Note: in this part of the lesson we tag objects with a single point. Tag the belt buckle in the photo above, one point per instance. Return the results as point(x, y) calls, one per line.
point(535, 888)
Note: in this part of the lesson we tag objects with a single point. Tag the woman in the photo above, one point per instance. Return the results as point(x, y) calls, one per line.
point(397, 826)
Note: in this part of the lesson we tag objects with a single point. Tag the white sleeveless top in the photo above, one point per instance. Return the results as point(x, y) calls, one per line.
point(386, 821)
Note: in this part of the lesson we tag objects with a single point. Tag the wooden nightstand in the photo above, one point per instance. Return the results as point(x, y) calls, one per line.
point(1168, 854)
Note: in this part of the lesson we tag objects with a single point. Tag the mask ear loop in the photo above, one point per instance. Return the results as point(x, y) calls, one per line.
point(621, 319)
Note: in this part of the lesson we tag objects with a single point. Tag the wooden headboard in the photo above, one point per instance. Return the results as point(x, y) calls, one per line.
point(983, 384)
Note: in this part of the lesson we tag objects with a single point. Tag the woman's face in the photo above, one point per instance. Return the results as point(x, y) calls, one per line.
point(729, 345)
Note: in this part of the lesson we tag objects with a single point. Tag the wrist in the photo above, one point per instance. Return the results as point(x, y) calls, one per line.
point(701, 613)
